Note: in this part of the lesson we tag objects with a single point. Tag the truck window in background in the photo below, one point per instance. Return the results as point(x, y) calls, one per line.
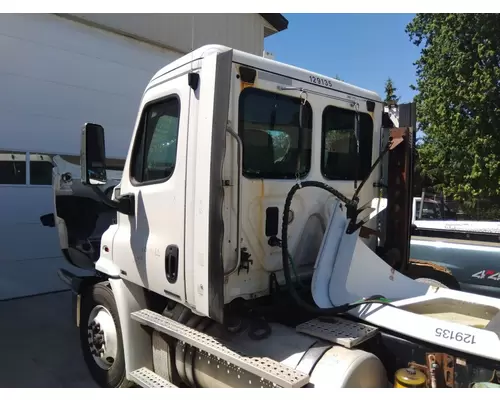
point(12, 168)
point(269, 129)
point(432, 211)
point(155, 150)
point(40, 169)
point(338, 154)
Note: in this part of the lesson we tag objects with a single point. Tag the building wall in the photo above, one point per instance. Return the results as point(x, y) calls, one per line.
point(183, 32)
point(55, 75)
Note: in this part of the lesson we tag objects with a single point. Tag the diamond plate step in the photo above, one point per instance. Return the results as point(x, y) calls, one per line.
point(338, 330)
point(265, 368)
point(148, 379)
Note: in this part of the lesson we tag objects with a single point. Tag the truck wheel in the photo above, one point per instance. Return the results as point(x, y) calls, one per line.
point(437, 278)
point(101, 337)
point(432, 282)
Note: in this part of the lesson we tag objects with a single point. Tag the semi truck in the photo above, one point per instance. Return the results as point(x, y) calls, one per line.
point(245, 242)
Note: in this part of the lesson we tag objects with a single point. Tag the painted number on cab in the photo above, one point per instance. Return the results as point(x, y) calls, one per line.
point(320, 81)
point(456, 336)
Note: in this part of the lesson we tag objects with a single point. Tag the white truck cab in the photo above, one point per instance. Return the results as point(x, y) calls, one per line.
point(235, 259)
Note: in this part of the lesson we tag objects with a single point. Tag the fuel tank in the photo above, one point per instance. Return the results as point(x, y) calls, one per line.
point(329, 365)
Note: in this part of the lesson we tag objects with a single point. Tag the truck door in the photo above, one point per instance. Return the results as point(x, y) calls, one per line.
point(149, 246)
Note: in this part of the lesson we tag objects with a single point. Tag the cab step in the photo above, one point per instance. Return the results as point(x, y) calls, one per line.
point(146, 378)
point(338, 330)
point(265, 368)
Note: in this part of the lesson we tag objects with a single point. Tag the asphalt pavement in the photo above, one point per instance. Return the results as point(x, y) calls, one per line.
point(39, 344)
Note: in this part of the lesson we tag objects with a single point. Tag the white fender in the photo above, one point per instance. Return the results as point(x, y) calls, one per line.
point(136, 341)
point(327, 255)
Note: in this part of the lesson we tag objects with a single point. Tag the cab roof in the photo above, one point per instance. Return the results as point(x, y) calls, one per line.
point(272, 66)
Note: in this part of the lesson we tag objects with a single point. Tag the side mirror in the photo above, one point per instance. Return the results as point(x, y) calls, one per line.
point(93, 155)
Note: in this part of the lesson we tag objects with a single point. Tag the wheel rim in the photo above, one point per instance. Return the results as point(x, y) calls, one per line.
point(102, 337)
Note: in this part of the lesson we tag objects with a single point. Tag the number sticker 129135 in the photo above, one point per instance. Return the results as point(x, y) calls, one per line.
point(457, 336)
point(321, 81)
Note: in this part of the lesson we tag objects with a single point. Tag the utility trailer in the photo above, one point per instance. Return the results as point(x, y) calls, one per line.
point(242, 250)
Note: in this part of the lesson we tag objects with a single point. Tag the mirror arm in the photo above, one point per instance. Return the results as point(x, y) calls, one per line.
point(125, 204)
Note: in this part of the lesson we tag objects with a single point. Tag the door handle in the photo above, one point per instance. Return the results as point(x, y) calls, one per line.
point(171, 263)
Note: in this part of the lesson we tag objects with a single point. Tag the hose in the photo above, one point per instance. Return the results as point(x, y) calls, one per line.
point(350, 204)
point(295, 271)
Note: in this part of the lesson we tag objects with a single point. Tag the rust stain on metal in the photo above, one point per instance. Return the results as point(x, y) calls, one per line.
point(421, 263)
point(444, 370)
point(421, 368)
point(399, 180)
point(261, 207)
point(244, 85)
point(366, 232)
point(395, 143)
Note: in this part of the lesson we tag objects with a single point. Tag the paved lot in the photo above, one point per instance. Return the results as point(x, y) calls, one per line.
point(23, 278)
point(39, 344)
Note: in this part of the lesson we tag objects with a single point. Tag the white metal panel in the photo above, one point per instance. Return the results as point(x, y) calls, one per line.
point(59, 74)
point(22, 236)
point(239, 31)
point(56, 74)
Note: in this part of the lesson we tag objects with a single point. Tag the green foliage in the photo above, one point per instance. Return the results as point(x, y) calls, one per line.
point(390, 92)
point(458, 104)
point(481, 210)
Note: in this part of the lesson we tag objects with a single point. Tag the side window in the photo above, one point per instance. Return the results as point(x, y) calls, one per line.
point(40, 169)
point(338, 155)
point(12, 168)
point(269, 129)
point(155, 150)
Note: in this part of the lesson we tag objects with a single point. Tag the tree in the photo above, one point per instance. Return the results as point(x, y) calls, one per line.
point(390, 92)
point(458, 104)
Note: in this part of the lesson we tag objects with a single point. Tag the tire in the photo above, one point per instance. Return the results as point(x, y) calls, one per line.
point(432, 282)
point(433, 277)
point(100, 297)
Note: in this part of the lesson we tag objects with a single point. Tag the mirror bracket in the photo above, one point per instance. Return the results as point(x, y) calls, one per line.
point(126, 204)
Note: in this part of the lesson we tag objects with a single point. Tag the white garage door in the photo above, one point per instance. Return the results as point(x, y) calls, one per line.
point(55, 75)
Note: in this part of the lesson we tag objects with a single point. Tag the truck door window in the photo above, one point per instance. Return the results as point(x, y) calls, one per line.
point(338, 154)
point(155, 149)
point(269, 130)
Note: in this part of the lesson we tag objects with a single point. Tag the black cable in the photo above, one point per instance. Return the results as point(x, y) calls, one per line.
point(350, 204)
point(377, 161)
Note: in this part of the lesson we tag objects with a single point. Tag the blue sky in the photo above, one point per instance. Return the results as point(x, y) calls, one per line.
point(363, 49)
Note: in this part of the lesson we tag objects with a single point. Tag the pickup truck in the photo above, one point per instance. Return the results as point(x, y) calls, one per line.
point(469, 249)
point(440, 218)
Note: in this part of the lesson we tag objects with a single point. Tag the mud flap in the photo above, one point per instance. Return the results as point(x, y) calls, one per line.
point(77, 285)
